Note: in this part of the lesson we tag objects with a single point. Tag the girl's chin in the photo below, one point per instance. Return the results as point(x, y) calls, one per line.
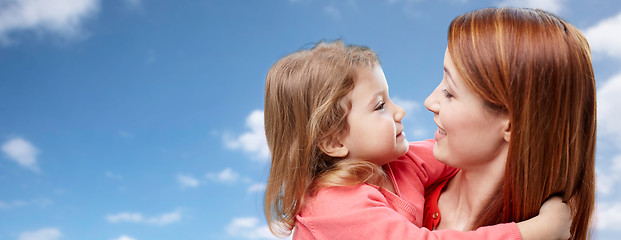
point(404, 147)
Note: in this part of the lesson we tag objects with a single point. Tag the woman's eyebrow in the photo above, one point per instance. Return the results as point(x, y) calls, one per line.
point(449, 76)
point(447, 72)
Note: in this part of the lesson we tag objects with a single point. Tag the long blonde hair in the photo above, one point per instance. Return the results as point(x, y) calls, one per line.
point(537, 68)
point(306, 102)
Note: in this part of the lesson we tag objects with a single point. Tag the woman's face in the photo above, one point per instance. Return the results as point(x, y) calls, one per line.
point(468, 135)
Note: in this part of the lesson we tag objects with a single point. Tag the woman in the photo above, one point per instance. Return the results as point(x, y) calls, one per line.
point(516, 113)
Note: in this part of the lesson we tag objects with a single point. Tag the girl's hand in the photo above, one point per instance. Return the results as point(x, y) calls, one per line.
point(557, 215)
point(553, 222)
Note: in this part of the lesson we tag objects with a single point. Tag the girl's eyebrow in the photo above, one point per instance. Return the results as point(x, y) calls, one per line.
point(376, 96)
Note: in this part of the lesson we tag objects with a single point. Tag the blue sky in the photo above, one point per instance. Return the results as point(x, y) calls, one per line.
point(142, 120)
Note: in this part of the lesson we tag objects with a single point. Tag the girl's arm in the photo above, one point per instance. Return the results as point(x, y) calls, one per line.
point(362, 212)
point(423, 169)
point(553, 222)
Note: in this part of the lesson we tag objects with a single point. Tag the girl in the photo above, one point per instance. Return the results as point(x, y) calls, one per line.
point(337, 142)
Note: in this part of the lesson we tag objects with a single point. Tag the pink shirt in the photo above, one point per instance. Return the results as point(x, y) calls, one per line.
point(366, 211)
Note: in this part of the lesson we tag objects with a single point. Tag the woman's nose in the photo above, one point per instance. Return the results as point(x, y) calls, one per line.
point(432, 103)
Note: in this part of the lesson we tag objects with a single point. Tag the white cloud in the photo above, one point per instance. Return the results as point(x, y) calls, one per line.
point(41, 234)
point(115, 176)
point(40, 202)
point(59, 17)
point(125, 217)
point(608, 105)
point(249, 228)
point(19, 203)
point(135, 217)
point(554, 6)
point(408, 105)
point(332, 11)
point(610, 177)
point(133, 3)
point(124, 237)
point(252, 142)
point(419, 133)
point(608, 115)
point(22, 152)
point(225, 176)
point(412, 120)
point(186, 181)
point(257, 187)
point(166, 218)
point(608, 216)
point(605, 36)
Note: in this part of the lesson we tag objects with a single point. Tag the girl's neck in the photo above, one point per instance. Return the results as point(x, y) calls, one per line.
point(383, 180)
point(388, 185)
point(467, 193)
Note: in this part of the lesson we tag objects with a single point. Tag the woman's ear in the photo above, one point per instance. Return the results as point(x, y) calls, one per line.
point(333, 148)
point(507, 130)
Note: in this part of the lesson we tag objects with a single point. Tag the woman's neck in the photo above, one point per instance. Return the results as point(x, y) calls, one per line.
point(467, 193)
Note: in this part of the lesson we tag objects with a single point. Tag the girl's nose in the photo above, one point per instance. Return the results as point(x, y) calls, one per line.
point(399, 113)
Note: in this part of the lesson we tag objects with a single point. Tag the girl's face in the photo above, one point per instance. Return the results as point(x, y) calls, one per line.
point(468, 134)
point(375, 130)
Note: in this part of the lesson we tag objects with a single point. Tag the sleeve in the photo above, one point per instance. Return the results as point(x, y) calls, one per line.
point(361, 212)
point(424, 165)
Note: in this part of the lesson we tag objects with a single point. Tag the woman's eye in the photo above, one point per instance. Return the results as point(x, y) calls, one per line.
point(380, 105)
point(447, 94)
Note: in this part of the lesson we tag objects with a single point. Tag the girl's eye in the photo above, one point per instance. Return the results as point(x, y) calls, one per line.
point(380, 106)
point(447, 94)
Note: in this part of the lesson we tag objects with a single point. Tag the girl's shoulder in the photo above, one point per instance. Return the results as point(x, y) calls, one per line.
point(419, 153)
point(419, 165)
point(422, 148)
point(330, 200)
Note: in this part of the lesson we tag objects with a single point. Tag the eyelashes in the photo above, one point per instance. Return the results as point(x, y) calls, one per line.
point(380, 105)
point(447, 94)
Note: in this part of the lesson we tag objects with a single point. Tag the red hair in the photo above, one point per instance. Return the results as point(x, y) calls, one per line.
point(537, 68)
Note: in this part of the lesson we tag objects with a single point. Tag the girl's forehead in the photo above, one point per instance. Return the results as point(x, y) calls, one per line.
point(370, 80)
